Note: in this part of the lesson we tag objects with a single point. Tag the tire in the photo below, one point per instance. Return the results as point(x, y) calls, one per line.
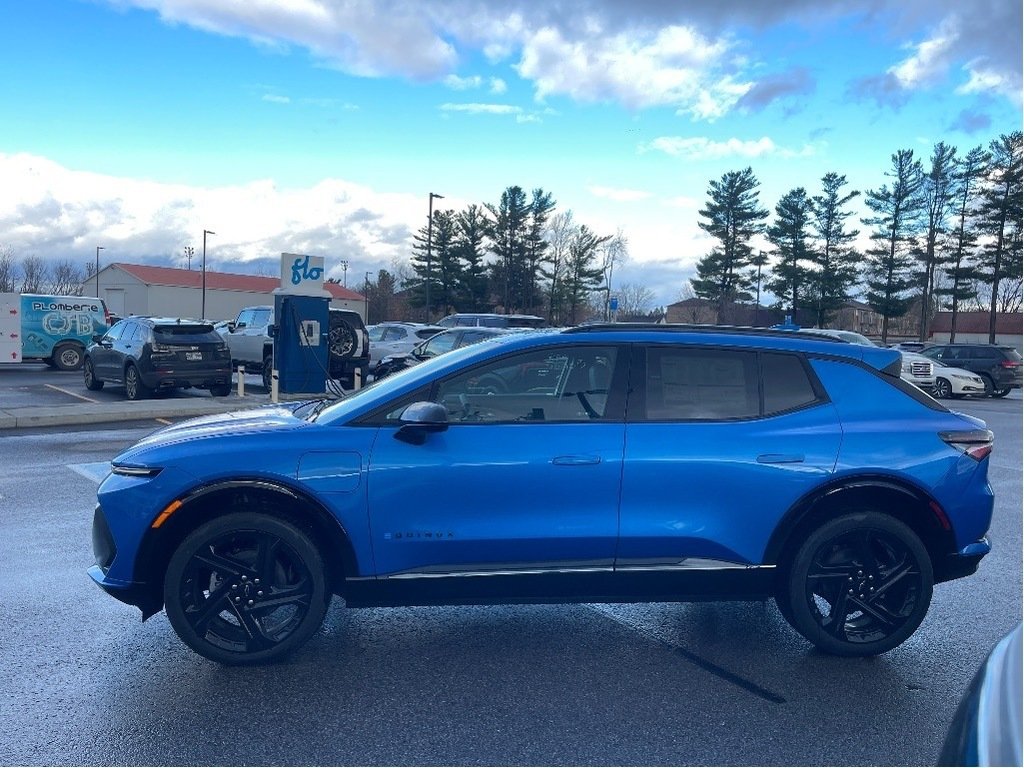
point(68, 357)
point(1001, 392)
point(943, 389)
point(221, 390)
point(134, 388)
point(870, 567)
point(268, 371)
point(990, 387)
point(341, 340)
point(245, 588)
point(89, 374)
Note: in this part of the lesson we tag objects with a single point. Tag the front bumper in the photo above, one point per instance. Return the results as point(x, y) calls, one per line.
point(142, 596)
point(963, 563)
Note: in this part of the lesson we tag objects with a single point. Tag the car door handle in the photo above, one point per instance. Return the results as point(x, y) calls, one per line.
point(780, 458)
point(575, 461)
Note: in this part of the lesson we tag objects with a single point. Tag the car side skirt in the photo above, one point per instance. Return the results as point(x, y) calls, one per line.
point(597, 585)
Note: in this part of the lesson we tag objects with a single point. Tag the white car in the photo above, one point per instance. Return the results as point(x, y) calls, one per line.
point(956, 382)
point(388, 339)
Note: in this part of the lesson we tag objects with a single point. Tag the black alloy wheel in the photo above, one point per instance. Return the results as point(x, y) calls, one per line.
point(860, 585)
point(134, 388)
point(89, 375)
point(943, 389)
point(246, 588)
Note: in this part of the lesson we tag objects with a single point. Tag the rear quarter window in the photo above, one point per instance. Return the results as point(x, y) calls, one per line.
point(787, 384)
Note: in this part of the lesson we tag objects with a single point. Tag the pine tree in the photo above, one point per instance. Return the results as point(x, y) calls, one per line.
point(541, 206)
point(732, 216)
point(583, 273)
point(937, 191)
point(444, 270)
point(897, 210)
point(967, 177)
point(508, 232)
point(789, 235)
point(470, 235)
point(1001, 214)
point(834, 259)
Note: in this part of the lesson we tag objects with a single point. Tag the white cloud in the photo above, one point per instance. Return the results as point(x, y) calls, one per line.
point(930, 61)
point(273, 98)
point(56, 213)
point(483, 109)
point(457, 83)
point(619, 195)
point(498, 86)
point(702, 148)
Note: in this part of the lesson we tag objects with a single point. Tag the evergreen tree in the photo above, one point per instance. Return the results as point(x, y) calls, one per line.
point(1001, 215)
point(732, 216)
point(509, 234)
point(541, 206)
point(967, 177)
point(834, 259)
point(444, 271)
point(789, 235)
point(937, 192)
point(896, 214)
point(583, 273)
point(470, 234)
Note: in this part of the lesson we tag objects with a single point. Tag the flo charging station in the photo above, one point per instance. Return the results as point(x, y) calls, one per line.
point(301, 326)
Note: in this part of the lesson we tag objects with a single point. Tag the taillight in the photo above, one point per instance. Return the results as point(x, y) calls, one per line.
point(1010, 364)
point(976, 443)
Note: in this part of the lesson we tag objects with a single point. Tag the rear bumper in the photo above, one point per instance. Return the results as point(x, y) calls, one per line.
point(963, 563)
point(204, 378)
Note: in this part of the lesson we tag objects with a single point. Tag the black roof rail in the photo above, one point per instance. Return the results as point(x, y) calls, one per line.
point(735, 330)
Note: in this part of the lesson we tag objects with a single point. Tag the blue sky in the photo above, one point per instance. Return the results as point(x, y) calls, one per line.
point(320, 126)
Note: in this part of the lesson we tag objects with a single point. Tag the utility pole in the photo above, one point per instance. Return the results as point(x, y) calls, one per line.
point(98, 249)
point(366, 297)
point(430, 234)
point(202, 312)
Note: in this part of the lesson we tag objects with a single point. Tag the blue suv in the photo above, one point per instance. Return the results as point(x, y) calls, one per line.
point(607, 463)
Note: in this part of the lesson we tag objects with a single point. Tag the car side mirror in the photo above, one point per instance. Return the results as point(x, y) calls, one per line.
point(97, 338)
point(231, 327)
point(419, 420)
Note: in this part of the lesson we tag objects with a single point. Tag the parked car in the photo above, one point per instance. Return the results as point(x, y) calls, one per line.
point(438, 344)
point(998, 365)
point(158, 354)
point(987, 727)
point(397, 339)
point(910, 346)
point(915, 369)
point(251, 344)
point(620, 463)
point(487, 320)
point(956, 382)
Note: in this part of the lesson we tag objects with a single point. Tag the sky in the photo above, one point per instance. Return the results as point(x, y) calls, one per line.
point(321, 126)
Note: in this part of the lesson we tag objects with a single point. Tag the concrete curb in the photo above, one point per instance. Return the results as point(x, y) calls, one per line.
point(98, 413)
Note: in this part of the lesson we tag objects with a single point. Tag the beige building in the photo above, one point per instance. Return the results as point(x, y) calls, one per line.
point(137, 289)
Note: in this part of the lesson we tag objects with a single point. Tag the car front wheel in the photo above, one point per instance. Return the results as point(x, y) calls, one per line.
point(859, 585)
point(89, 374)
point(943, 389)
point(245, 588)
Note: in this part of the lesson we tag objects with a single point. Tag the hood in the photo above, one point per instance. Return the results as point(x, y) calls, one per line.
point(274, 418)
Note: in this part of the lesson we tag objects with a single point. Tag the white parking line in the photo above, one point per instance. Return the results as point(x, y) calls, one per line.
point(95, 470)
point(73, 394)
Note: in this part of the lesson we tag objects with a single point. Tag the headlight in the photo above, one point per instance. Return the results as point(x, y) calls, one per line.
point(906, 368)
point(129, 471)
point(964, 378)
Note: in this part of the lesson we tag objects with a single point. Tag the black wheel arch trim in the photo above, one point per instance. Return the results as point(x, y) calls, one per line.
point(151, 552)
point(799, 512)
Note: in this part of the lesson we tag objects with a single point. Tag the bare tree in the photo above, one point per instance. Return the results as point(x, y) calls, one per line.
point(33, 274)
point(6, 269)
point(634, 299)
point(66, 279)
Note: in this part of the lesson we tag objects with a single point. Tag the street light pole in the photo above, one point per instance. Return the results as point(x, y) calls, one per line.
point(189, 253)
point(344, 273)
point(98, 249)
point(430, 233)
point(202, 312)
point(366, 297)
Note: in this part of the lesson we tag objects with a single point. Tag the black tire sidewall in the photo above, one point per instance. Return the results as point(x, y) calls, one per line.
point(795, 592)
point(299, 542)
point(60, 349)
point(89, 369)
point(268, 371)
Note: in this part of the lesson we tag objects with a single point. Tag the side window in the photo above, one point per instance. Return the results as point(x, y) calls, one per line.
point(394, 334)
point(461, 321)
point(244, 318)
point(141, 334)
point(426, 333)
point(697, 384)
point(564, 384)
point(984, 353)
point(786, 383)
point(260, 318)
point(472, 337)
point(441, 344)
point(115, 333)
point(376, 334)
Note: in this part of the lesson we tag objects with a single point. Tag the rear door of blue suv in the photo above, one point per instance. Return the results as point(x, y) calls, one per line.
point(596, 464)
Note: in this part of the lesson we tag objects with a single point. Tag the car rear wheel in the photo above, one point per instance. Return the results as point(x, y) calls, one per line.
point(221, 390)
point(67, 357)
point(1001, 392)
point(859, 585)
point(246, 588)
point(943, 389)
point(268, 368)
point(134, 388)
point(89, 374)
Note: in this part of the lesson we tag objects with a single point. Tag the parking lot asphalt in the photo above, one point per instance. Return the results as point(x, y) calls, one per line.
point(35, 396)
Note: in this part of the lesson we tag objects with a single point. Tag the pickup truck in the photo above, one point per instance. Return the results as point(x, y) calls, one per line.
point(248, 337)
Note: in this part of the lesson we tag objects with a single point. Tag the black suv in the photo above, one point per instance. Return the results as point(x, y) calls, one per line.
point(159, 353)
point(999, 365)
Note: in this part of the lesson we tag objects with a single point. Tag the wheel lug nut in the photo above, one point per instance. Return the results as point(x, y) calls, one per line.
point(245, 578)
point(251, 602)
point(256, 581)
point(238, 599)
point(260, 593)
point(850, 592)
point(234, 586)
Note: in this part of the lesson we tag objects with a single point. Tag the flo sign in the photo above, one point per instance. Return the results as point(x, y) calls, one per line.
point(302, 274)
